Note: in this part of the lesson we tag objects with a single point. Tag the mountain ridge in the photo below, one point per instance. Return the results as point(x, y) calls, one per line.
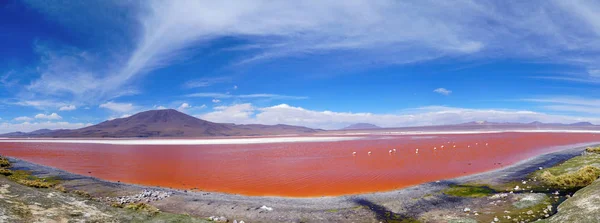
point(165, 123)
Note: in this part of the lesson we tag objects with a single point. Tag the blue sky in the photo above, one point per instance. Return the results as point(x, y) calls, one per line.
point(322, 64)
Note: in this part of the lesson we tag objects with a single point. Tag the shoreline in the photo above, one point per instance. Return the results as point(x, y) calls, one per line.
point(409, 201)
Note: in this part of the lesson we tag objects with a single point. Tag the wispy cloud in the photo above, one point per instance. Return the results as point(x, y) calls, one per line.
point(67, 108)
point(221, 95)
point(184, 106)
point(119, 107)
point(52, 116)
point(23, 119)
point(568, 104)
point(442, 91)
point(39, 104)
point(388, 31)
point(205, 82)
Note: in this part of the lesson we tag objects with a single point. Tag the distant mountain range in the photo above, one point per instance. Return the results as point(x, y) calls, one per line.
point(361, 126)
point(536, 123)
point(172, 123)
point(482, 126)
point(165, 123)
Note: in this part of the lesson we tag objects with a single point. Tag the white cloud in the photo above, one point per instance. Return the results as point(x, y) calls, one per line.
point(184, 106)
point(159, 107)
point(23, 119)
point(40, 104)
point(205, 82)
point(569, 104)
point(442, 91)
point(67, 108)
point(118, 107)
point(216, 100)
point(52, 116)
point(32, 126)
point(240, 113)
point(72, 74)
point(221, 95)
point(433, 115)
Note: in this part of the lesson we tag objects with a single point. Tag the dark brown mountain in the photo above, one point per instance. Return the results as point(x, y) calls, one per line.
point(172, 123)
point(361, 126)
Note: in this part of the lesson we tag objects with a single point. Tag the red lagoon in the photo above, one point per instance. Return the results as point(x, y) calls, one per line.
point(299, 169)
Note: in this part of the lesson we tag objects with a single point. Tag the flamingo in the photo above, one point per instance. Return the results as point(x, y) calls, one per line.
point(454, 146)
point(434, 148)
point(394, 150)
point(354, 153)
point(486, 144)
point(469, 146)
point(369, 152)
point(442, 146)
point(390, 151)
point(417, 151)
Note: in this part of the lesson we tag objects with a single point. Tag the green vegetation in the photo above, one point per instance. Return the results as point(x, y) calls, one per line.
point(573, 164)
point(593, 150)
point(5, 172)
point(60, 188)
point(468, 191)
point(25, 178)
point(143, 207)
point(82, 194)
point(4, 163)
point(575, 173)
point(583, 177)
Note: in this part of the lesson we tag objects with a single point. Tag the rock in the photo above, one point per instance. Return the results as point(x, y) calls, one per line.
point(221, 219)
point(467, 210)
point(242, 222)
point(235, 221)
point(266, 208)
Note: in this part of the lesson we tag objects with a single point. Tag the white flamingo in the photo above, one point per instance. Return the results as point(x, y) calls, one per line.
point(394, 150)
point(442, 146)
point(354, 153)
point(434, 148)
point(417, 151)
point(454, 146)
point(369, 152)
point(486, 144)
point(390, 151)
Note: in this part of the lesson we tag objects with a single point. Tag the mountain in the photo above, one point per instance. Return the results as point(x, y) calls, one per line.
point(27, 134)
point(169, 123)
point(581, 124)
point(361, 126)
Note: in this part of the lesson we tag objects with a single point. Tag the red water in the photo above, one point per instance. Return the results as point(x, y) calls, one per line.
point(297, 169)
